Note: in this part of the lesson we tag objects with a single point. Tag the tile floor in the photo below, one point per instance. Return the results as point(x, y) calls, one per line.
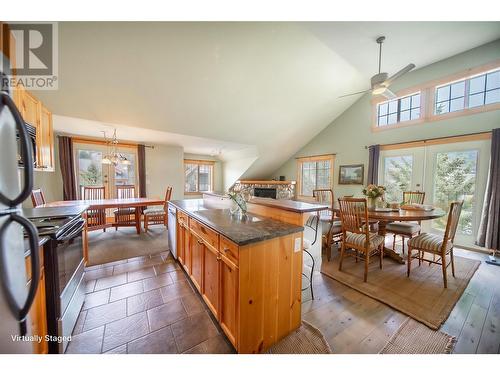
point(144, 305)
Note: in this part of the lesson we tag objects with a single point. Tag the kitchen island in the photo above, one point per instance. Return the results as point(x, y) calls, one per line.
point(247, 269)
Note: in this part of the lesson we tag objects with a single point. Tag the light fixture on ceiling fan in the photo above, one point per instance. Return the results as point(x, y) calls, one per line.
point(381, 81)
point(112, 155)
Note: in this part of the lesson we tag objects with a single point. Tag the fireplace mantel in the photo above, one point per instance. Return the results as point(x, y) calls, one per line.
point(266, 182)
point(284, 189)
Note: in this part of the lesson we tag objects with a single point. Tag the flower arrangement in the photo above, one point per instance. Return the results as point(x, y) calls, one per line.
point(374, 191)
point(239, 203)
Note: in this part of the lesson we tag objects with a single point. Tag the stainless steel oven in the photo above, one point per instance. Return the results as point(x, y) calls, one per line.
point(65, 287)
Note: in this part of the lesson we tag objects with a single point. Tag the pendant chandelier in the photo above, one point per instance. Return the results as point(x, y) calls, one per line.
point(112, 155)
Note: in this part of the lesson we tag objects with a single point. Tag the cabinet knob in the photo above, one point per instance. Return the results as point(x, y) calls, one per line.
point(200, 242)
point(226, 250)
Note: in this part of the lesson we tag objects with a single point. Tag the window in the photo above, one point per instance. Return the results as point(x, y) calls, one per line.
point(472, 92)
point(401, 109)
point(397, 176)
point(468, 92)
point(198, 176)
point(91, 171)
point(314, 172)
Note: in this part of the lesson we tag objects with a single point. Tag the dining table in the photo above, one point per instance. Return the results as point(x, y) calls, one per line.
point(386, 216)
point(104, 204)
point(112, 203)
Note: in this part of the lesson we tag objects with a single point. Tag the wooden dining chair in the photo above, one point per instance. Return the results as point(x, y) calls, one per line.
point(333, 234)
point(96, 218)
point(158, 214)
point(125, 216)
point(37, 197)
point(357, 238)
point(406, 229)
point(440, 246)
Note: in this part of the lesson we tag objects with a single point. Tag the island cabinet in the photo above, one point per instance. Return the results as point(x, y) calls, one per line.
point(38, 311)
point(182, 233)
point(251, 286)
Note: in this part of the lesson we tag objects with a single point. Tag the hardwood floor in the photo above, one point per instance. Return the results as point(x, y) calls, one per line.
point(355, 323)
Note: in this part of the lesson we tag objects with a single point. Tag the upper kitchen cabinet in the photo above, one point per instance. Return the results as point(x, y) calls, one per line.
point(37, 115)
point(45, 140)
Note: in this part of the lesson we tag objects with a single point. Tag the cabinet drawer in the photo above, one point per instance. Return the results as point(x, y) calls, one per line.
point(229, 249)
point(208, 235)
point(182, 218)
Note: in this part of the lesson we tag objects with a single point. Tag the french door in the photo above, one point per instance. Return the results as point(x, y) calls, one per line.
point(90, 171)
point(446, 172)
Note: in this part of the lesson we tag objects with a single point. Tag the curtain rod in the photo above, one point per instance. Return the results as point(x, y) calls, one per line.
point(314, 156)
point(95, 139)
point(433, 139)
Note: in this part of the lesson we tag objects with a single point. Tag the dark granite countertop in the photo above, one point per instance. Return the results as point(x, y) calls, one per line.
point(289, 205)
point(39, 212)
point(242, 231)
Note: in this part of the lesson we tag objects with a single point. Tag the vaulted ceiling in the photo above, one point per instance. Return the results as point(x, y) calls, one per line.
point(269, 85)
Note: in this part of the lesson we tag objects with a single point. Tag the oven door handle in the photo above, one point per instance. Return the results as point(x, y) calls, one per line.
point(78, 228)
point(21, 312)
point(26, 154)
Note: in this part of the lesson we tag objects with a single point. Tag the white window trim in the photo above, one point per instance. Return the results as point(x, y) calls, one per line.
point(427, 99)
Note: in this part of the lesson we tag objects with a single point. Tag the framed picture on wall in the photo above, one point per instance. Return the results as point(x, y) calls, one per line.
point(351, 174)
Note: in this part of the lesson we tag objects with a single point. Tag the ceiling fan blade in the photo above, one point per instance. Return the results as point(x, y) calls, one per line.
point(389, 94)
point(355, 93)
point(394, 77)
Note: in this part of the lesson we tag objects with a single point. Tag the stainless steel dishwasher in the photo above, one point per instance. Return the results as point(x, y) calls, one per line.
point(172, 230)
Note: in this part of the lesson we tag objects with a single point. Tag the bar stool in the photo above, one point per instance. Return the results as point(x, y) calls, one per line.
point(312, 223)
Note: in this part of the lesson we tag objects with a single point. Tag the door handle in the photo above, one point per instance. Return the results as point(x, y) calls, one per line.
point(26, 154)
point(21, 312)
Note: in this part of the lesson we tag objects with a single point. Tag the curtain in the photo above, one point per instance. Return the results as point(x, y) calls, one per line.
point(489, 228)
point(67, 168)
point(373, 158)
point(141, 154)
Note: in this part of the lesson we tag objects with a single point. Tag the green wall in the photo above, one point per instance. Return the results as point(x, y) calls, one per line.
point(348, 134)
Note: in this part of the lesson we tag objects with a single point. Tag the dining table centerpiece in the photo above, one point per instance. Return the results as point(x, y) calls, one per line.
point(374, 195)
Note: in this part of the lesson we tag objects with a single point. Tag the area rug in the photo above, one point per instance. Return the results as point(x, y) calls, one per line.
point(421, 296)
point(125, 243)
point(415, 338)
point(307, 339)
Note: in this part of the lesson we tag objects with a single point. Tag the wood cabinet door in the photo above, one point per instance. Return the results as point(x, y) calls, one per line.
point(210, 291)
point(30, 108)
point(46, 144)
point(229, 300)
point(197, 251)
point(187, 249)
point(38, 317)
point(180, 243)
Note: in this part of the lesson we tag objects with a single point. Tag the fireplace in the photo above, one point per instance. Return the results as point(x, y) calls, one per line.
point(264, 192)
point(266, 188)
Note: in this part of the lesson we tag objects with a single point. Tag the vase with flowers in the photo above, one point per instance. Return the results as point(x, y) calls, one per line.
point(374, 195)
point(238, 204)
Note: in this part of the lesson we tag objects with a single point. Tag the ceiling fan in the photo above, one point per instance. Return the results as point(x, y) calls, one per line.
point(380, 82)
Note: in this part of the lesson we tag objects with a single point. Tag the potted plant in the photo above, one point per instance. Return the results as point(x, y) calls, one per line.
point(374, 194)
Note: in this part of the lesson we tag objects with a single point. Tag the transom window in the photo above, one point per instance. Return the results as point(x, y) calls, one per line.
point(464, 93)
point(315, 172)
point(472, 92)
point(198, 176)
point(401, 109)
